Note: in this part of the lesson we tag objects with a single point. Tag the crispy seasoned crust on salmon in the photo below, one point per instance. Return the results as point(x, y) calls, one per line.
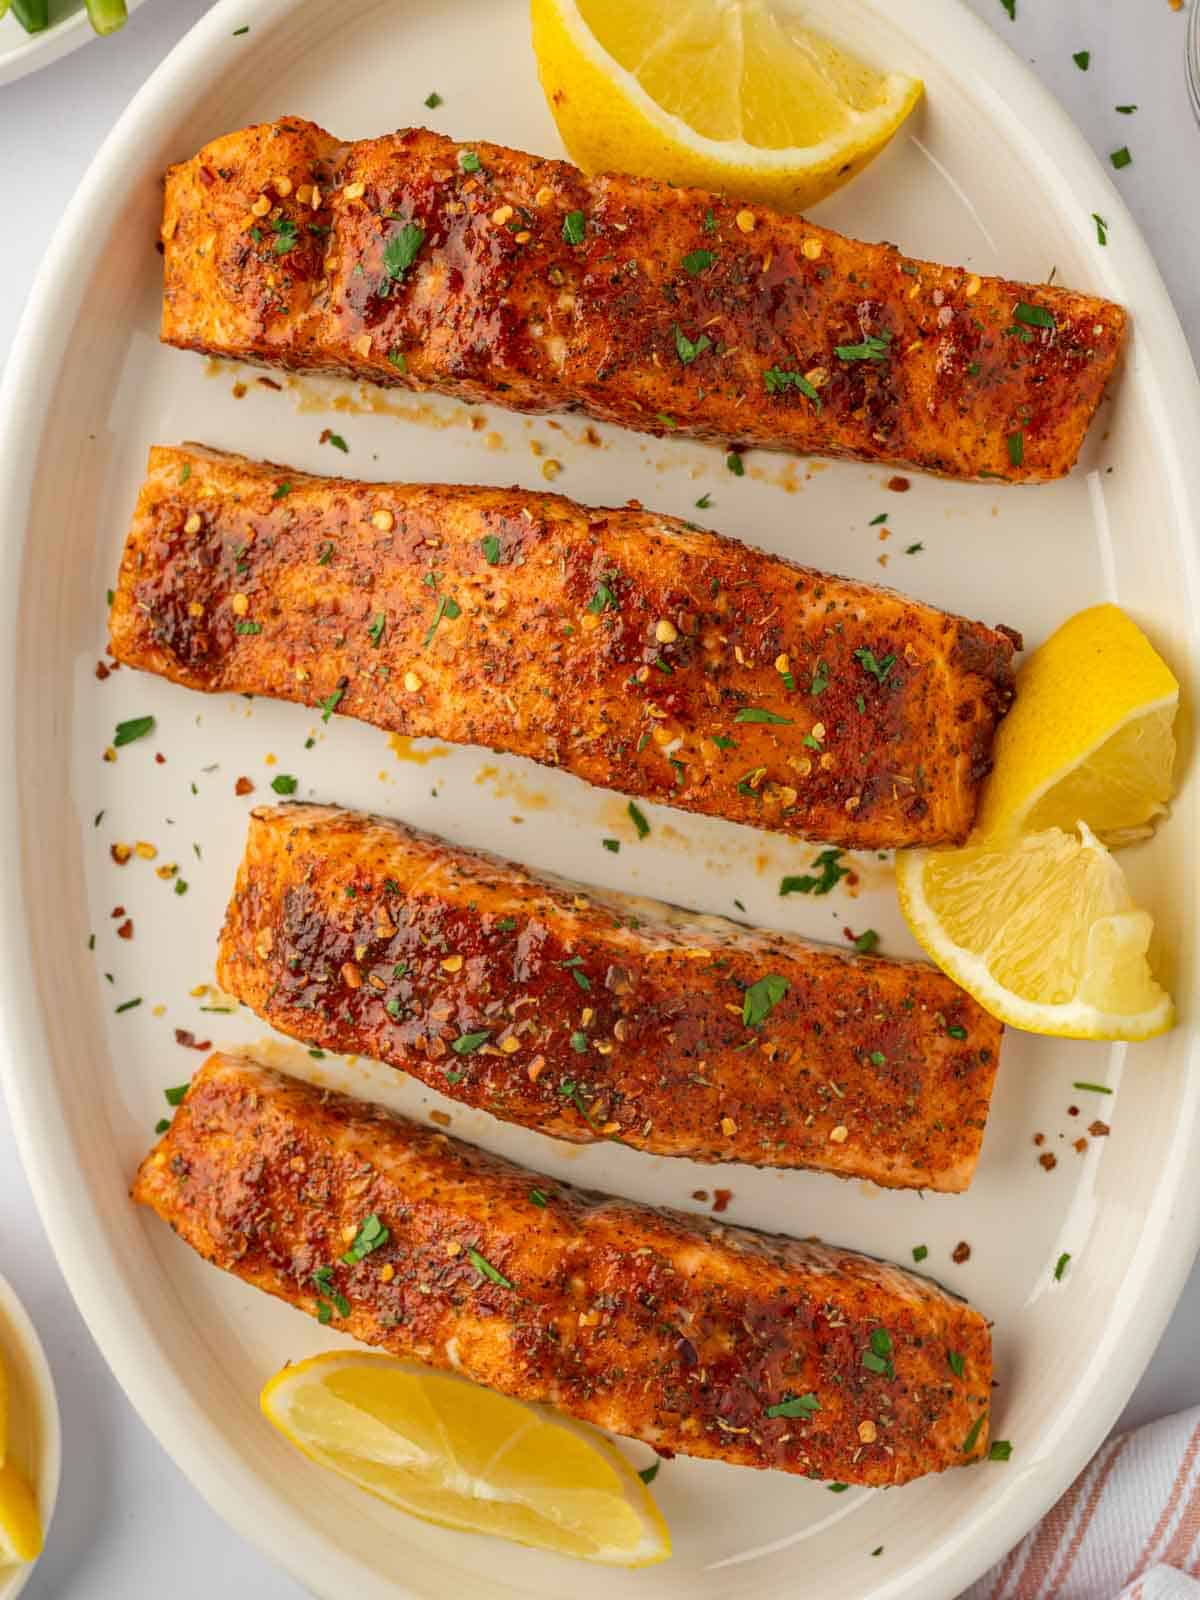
point(633, 650)
point(697, 1337)
point(588, 1014)
point(486, 273)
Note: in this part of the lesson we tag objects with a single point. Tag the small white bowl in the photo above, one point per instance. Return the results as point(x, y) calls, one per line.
point(34, 1432)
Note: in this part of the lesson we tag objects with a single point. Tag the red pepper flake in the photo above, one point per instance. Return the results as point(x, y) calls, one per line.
point(116, 912)
point(721, 1199)
point(1048, 1160)
point(160, 758)
point(1099, 1130)
point(960, 1253)
point(125, 931)
point(102, 671)
point(243, 786)
point(207, 177)
point(188, 1040)
point(700, 1194)
point(1072, 1111)
point(1039, 1138)
point(898, 485)
point(268, 383)
point(120, 853)
point(1080, 1145)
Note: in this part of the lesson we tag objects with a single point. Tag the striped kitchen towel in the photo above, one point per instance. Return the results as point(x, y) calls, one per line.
point(1128, 1528)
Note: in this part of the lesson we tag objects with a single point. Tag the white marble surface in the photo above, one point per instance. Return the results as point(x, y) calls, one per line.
point(128, 1522)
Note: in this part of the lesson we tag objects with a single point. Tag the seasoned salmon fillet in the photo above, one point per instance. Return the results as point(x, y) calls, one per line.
point(697, 1337)
point(489, 274)
point(633, 650)
point(588, 1014)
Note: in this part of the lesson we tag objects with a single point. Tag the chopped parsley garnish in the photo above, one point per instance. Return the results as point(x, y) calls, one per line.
point(490, 546)
point(538, 1198)
point(1011, 7)
point(757, 714)
point(174, 1097)
point(820, 679)
point(831, 874)
point(127, 1005)
point(506, 924)
point(877, 1058)
point(913, 549)
point(722, 743)
point(1033, 316)
point(778, 382)
point(1101, 228)
point(185, 472)
point(1016, 447)
point(433, 100)
point(330, 704)
point(286, 236)
point(870, 663)
point(162, 1125)
point(393, 1009)
point(837, 1488)
point(735, 464)
point(247, 627)
point(639, 821)
point(483, 1265)
point(866, 942)
point(1082, 59)
point(328, 1299)
point(400, 251)
point(573, 965)
point(135, 728)
point(579, 1042)
point(687, 349)
point(999, 1450)
point(801, 1405)
point(612, 844)
point(877, 1358)
point(281, 490)
point(972, 1438)
point(696, 261)
point(338, 443)
point(704, 502)
point(667, 422)
point(375, 628)
point(446, 607)
point(955, 1362)
point(602, 600)
point(762, 997)
point(1096, 1088)
point(325, 553)
point(1121, 158)
point(371, 1234)
point(468, 160)
point(467, 1043)
point(710, 222)
point(648, 1474)
point(244, 29)
point(398, 360)
point(572, 228)
point(920, 1251)
point(873, 348)
point(1126, 111)
point(1060, 1266)
point(875, 521)
point(285, 784)
point(181, 886)
point(957, 1031)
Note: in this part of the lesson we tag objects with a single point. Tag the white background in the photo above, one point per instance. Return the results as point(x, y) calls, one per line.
point(128, 1523)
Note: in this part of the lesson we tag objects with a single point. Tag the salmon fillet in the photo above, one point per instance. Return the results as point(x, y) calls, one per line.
point(493, 275)
point(632, 650)
point(696, 1337)
point(587, 1014)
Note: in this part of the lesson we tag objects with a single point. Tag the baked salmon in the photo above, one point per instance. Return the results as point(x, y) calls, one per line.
point(493, 275)
point(676, 1329)
point(633, 650)
point(588, 1014)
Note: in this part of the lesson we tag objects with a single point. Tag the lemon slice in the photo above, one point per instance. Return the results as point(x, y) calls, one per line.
point(1042, 931)
point(449, 1452)
point(1090, 735)
point(20, 1525)
point(719, 94)
point(3, 1412)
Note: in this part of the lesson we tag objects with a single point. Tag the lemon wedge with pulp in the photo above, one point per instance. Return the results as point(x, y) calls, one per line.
point(1042, 931)
point(718, 94)
point(1090, 735)
point(445, 1450)
point(20, 1525)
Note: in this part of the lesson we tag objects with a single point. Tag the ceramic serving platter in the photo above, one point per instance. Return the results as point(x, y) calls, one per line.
point(990, 174)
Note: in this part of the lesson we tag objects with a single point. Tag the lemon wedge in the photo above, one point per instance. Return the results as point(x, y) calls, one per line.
point(3, 1412)
point(1042, 931)
point(718, 94)
point(439, 1447)
point(1090, 735)
point(20, 1525)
